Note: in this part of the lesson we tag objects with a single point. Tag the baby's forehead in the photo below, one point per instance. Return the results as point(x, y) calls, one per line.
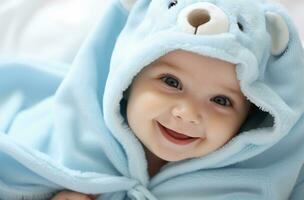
point(197, 70)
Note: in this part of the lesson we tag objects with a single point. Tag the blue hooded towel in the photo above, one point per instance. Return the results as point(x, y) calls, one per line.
point(67, 130)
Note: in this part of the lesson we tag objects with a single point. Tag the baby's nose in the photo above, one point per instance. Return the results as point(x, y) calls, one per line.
point(186, 112)
point(203, 18)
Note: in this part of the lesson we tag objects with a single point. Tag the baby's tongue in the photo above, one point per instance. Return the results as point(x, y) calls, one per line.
point(177, 135)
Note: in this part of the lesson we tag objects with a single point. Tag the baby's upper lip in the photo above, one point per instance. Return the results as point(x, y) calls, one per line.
point(180, 132)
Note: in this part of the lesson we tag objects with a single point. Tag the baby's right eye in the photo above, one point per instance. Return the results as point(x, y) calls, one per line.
point(171, 81)
point(222, 100)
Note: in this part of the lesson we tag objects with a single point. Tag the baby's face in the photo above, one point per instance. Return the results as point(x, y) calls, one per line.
point(185, 105)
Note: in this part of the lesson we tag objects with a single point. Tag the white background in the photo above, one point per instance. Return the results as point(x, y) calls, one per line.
point(296, 11)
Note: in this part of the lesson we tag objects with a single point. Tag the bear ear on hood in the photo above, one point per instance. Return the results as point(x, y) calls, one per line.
point(285, 68)
point(278, 29)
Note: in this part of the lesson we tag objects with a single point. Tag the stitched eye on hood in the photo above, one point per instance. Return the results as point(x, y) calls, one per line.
point(172, 3)
point(241, 27)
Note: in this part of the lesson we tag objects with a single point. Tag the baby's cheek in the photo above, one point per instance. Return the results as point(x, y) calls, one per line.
point(221, 128)
point(150, 103)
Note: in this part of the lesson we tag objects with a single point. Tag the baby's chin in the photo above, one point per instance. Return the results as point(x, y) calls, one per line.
point(175, 157)
point(179, 156)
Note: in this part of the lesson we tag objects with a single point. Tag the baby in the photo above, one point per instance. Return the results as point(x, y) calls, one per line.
point(182, 106)
point(166, 100)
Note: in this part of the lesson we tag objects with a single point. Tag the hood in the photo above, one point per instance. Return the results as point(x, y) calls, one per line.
point(70, 131)
point(258, 37)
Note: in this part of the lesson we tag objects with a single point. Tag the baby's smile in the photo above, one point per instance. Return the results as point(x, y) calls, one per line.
point(175, 137)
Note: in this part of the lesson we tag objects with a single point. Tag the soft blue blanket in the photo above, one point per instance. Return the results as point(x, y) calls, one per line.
point(65, 131)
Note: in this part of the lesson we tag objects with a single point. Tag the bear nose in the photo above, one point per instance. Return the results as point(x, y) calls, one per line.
point(198, 17)
point(203, 18)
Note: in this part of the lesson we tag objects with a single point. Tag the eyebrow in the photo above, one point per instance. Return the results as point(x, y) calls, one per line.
point(168, 64)
point(237, 93)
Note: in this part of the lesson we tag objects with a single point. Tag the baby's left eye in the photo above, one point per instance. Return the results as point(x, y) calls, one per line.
point(222, 100)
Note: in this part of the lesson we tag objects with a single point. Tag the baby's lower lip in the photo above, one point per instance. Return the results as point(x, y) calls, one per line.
point(175, 138)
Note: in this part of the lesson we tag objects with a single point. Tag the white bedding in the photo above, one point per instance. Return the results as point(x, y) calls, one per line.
point(52, 30)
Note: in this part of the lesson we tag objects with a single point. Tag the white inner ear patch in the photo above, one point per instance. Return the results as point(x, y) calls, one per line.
point(279, 32)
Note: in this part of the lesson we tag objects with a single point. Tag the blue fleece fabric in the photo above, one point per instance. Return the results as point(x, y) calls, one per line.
point(66, 131)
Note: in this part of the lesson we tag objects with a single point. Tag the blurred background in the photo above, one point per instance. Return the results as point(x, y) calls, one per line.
point(54, 30)
point(51, 30)
point(296, 11)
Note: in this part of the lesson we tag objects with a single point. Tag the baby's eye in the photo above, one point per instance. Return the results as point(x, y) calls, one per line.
point(171, 81)
point(222, 100)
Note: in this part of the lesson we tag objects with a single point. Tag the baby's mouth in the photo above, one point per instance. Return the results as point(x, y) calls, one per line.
point(175, 137)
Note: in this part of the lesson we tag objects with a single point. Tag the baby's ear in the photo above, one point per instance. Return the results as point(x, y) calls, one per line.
point(278, 31)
